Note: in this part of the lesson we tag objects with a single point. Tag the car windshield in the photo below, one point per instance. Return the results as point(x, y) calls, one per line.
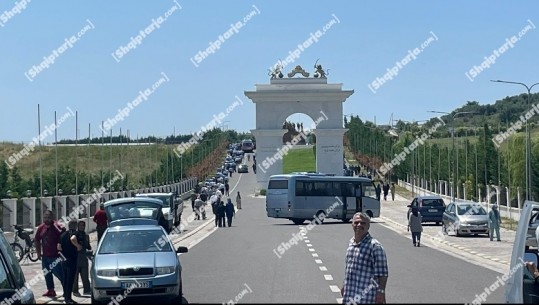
point(470, 210)
point(432, 202)
point(134, 241)
point(135, 209)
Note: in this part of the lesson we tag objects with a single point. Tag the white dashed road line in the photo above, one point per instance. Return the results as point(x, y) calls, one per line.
point(327, 277)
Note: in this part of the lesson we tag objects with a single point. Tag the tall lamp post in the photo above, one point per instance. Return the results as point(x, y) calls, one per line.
point(453, 189)
point(528, 140)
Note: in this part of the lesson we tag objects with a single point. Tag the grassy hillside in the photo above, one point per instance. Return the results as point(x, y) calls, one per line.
point(299, 160)
point(137, 161)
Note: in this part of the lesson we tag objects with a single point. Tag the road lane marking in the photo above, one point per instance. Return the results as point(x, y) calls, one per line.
point(339, 300)
point(309, 245)
point(328, 277)
point(315, 255)
point(335, 288)
point(318, 261)
point(307, 241)
point(323, 268)
point(311, 249)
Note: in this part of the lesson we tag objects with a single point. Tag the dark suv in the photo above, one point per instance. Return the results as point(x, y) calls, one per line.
point(430, 207)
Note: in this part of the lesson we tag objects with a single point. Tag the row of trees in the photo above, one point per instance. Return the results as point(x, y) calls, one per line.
point(478, 161)
point(199, 160)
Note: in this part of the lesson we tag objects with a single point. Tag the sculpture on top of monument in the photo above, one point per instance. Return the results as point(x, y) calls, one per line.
point(276, 72)
point(298, 69)
point(319, 71)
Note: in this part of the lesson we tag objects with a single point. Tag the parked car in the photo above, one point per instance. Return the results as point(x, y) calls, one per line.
point(12, 280)
point(464, 218)
point(136, 255)
point(172, 207)
point(431, 208)
point(243, 168)
point(521, 287)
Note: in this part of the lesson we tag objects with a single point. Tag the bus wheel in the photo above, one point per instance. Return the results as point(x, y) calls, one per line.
point(298, 221)
point(321, 216)
point(369, 213)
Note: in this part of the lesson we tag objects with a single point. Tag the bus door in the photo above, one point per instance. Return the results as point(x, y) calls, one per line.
point(359, 198)
point(349, 200)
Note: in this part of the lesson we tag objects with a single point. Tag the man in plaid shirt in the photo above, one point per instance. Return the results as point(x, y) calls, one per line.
point(366, 266)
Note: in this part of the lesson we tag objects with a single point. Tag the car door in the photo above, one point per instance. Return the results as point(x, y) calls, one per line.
point(520, 289)
point(410, 206)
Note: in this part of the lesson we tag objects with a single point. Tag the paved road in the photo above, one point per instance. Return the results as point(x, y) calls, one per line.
point(242, 263)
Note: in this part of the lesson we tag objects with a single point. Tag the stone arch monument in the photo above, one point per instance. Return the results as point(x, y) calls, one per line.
point(312, 96)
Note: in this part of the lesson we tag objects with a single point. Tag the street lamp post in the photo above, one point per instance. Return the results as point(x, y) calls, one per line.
point(453, 149)
point(528, 140)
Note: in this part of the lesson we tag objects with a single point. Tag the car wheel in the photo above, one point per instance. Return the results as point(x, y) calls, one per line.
point(93, 300)
point(298, 221)
point(321, 216)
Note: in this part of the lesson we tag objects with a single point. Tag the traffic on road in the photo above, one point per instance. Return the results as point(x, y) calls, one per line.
point(162, 249)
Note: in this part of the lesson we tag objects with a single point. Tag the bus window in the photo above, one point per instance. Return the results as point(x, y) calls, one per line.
point(368, 190)
point(300, 189)
point(348, 190)
point(321, 188)
point(278, 184)
point(337, 189)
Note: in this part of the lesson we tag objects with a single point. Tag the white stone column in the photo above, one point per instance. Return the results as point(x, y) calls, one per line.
point(29, 218)
point(268, 158)
point(329, 151)
point(62, 209)
point(9, 217)
point(46, 204)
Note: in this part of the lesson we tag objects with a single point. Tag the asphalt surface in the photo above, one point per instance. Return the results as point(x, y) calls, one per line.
point(242, 263)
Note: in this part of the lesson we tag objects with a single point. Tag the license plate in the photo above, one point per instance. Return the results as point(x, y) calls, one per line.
point(136, 285)
point(433, 210)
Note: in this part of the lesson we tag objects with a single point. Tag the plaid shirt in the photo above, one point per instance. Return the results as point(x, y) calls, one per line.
point(364, 261)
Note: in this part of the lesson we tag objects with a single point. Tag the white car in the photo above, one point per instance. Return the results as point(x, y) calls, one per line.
point(521, 287)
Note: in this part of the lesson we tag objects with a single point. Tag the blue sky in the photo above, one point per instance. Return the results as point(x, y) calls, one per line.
point(369, 38)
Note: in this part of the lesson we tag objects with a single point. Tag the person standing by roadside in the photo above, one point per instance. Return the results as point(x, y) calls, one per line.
point(238, 200)
point(69, 246)
point(366, 269)
point(229, 211)
point(386, 190)
point(227, 188)
point(193, 198)
point(100, 218)
point(378, 191)
point(494, 221)
point(46, 240)
point(221, 213)
point(393, 191)
point(415, 225)
point(82, 261)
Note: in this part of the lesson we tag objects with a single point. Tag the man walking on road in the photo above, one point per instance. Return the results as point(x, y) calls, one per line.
point(366, 270)
point(46, 240)
point(393, 191)
point(494, 222)
point(100, 218)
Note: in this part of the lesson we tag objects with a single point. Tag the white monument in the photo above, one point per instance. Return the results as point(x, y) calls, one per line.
point(312, 96)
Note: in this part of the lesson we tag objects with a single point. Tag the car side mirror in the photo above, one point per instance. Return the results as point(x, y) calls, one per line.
point(182, 249)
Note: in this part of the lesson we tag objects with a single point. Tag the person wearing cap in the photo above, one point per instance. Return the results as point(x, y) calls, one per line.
point(494, 221)
point(100, 218)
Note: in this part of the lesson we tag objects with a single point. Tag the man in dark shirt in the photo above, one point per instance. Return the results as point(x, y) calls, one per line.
point(100, 218)
point(69, 246)
point(46, 241)
point(82, 261)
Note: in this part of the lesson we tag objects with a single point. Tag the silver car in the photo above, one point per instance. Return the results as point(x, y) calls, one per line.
point(135, 257)
point(465, 218)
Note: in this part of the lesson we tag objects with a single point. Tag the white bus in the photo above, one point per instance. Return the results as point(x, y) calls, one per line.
point(303, 196)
